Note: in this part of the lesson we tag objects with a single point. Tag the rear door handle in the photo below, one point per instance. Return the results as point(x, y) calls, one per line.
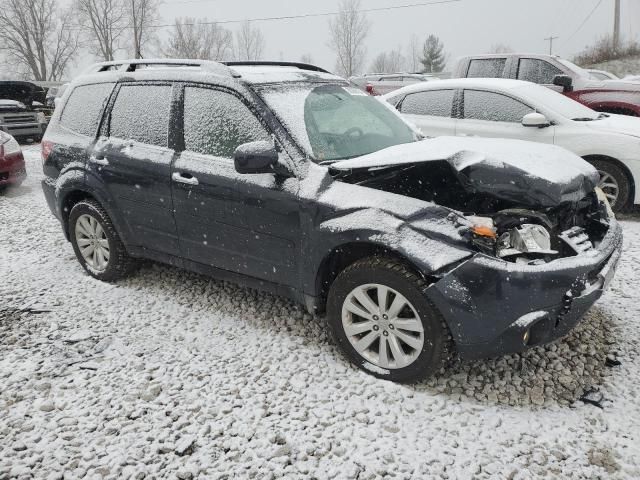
point(182, 177)
point(99, 160)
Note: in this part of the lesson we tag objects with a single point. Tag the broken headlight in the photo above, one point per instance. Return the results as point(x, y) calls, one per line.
point(525, 242)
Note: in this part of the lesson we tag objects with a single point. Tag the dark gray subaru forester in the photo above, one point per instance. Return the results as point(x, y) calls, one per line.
point(282, 177)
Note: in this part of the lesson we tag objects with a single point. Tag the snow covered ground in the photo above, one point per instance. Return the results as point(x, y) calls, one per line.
point(175, 375)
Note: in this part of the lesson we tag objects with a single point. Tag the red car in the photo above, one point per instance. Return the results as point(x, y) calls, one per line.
point(12, 168)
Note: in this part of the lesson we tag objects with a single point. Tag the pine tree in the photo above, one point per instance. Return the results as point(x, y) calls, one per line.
point(433, 58)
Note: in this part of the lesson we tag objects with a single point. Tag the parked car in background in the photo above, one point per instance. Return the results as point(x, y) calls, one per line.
point(632, 78)
point(522, 110)
point(382, 83)
point(602, 75)
point(12, 167)
point(612, 96)
point(18, 115)
point(285, 178)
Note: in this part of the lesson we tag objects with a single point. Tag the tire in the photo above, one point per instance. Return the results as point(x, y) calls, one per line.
point(119, 264)
point(622, 191)
point(416, 361)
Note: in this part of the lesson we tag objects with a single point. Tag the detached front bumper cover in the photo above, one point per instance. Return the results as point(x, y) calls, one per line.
point(489, 304)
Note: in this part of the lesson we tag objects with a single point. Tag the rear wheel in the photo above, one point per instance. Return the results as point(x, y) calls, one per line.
point(614, 183)
point(381, 319)
point(96, 243)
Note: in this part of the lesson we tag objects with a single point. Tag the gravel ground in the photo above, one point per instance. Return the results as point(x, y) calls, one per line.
point(174, 375)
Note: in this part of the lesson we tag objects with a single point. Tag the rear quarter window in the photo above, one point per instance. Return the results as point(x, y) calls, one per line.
point(83, 110)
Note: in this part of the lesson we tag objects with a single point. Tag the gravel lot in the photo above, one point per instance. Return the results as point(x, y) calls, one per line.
point(175, 375)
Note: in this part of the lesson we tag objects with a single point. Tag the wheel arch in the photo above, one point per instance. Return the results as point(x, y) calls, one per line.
point(343, 255)
point(67, 202)
point(622, 166)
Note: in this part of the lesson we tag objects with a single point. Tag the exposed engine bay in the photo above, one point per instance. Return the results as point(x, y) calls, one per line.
point(521, 230)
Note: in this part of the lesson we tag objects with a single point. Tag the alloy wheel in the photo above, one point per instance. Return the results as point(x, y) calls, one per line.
point(92, 242)
point(609, 186)
point(382, 326)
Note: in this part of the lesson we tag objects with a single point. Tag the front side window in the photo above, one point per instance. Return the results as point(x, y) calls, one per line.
point(486, 68)
point(537, 71)
point(83, 110)
point(435, 103)
point(335, 122)
point(141, 113)
point(480, 105)
point(216, 123)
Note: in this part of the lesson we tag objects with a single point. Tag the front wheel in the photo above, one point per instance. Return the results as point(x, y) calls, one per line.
point(614, 183)
point(383, 322)
point(96, 243)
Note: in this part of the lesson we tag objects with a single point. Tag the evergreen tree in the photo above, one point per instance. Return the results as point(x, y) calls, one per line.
point(433, 57)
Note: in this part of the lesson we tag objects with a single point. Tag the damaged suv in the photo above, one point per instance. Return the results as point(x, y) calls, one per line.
point(18, 115)
point(282, 177)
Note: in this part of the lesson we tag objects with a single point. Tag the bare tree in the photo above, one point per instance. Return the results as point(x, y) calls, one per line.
point(107, 21)
point(500, 48)
point(349, 29)
point(36, 38)
point(199, 39)
point(388, 62)
point(307, 58)
point(249, 42)
point(413, 62)
point(142, 16)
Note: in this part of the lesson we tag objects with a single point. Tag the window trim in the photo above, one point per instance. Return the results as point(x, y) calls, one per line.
point(461, 105)
point(105, 129)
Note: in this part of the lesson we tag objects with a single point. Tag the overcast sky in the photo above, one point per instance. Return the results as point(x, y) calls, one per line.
point(466, 27)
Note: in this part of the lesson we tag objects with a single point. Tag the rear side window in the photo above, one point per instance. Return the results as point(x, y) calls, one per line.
point(436, 103)
point(486, 68)
point(537, 71)
point(216, 123)
point(83, 110)
point(141, 113)
point(479, 105)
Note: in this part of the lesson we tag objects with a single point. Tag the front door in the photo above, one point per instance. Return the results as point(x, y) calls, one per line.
point(248, 224)
point(494, 115)
point(134, 164)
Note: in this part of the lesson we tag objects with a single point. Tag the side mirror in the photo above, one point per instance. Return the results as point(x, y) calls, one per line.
point(564, 81)
point(535, 119)
point(256, 157)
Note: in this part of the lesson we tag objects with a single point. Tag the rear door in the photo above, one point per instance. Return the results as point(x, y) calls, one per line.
point(431, 111)
point(248, 224)
point(495, 115)
point(134, 160)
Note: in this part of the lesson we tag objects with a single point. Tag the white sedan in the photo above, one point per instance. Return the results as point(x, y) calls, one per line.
point(515, 109)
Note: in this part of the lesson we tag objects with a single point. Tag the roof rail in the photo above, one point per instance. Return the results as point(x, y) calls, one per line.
point(260, 63)
point(135, 64)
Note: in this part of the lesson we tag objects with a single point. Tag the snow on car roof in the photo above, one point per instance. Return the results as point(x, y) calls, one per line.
point(275, 74)
point(489, 83)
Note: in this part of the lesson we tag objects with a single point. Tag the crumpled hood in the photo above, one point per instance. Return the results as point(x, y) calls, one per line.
point(623, 124)
point(529, 174)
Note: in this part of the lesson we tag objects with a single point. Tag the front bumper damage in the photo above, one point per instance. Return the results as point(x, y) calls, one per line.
point(493, 307)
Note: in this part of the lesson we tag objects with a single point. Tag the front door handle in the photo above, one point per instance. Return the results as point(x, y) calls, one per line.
point(182, 177)
point(99, 159)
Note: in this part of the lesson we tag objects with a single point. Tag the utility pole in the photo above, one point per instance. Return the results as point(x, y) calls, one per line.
point(550, 40)
point(616, 25)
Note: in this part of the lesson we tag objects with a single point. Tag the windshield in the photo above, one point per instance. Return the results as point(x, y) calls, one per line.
point(557, 102)
point(334, 122)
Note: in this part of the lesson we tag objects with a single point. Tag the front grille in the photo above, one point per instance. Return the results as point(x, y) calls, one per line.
point(577, 239)
point(18, 118)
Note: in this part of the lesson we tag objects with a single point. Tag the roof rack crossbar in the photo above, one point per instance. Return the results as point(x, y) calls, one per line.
point(260, 63)
point(133, 65)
